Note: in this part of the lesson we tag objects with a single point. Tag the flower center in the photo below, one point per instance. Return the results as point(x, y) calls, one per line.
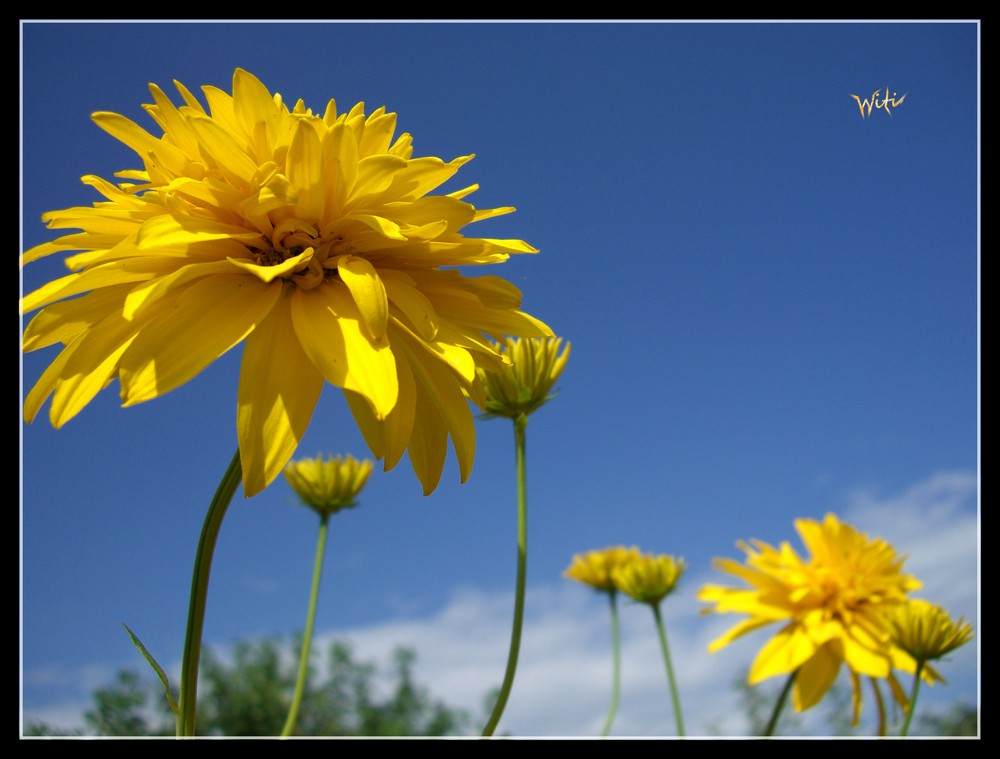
point(309, 257)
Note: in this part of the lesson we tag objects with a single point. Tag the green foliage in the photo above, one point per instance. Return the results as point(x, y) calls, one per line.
point(126, 709)
point(961, 719)
point(251, 694)
point(832, 717)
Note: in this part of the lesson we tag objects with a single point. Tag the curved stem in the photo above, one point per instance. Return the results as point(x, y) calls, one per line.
point(616, 658)
point(187, 706)
point(522, 562)
point(300, 682)
point(912, 706)
point(779, 705)
point(670, 670)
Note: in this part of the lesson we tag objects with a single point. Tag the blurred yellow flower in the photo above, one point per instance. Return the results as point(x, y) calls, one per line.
point(310, 237)
point(328, 485)
point(647, 578)
point(925, 631)
point(594, 568)
point(524, 386)
point(832, 605)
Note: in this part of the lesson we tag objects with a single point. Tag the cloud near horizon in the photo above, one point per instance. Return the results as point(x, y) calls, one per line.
point(562, 686)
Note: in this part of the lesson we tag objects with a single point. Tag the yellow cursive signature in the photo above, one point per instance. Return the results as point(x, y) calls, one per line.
point(866, 105)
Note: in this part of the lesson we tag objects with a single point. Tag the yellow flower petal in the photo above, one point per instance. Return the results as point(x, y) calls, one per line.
point(209, 317)
point(815, 677)
point(83, 368)
point(140, 298)
point(328, 325)
point(279, 387)
point(222, 151)
point(437, 391)
point(305, 171)
point(415, 306)
point(253, 105)
point(166, 232)
point(74, 284)
point(61, 322)
point(390, 436)
point(428, 446)
point(368, 292)
point(782, 654)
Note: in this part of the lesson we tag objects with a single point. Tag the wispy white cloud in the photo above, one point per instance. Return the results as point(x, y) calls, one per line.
point(563, 680)
point(934, 524)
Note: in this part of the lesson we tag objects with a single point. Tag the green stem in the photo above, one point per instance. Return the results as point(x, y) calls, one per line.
point(187, 707)
point(670, 670)
point(912, 706)
point(300, 683)
point(522, 563)
point(779, 705)
point(616, 658)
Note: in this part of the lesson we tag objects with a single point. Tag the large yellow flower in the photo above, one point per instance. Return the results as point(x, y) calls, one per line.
point(310, 237)
point(833, 605)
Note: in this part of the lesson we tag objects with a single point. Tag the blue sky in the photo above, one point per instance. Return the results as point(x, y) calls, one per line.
point(773, 305)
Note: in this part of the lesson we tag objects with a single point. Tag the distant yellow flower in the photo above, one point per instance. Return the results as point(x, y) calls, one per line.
point(832, 605)
point(328, 485)
point(309, 236)
point(594, 568)
point(521, 388)
point(922, 632)
point(647, 578)
point(925, 631)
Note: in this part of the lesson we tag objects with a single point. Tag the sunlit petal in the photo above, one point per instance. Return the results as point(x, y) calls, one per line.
point(328, 325)
point(279, 387)
point(207, 319)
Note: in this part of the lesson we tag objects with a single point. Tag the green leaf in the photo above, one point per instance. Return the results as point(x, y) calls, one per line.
point(156, 667)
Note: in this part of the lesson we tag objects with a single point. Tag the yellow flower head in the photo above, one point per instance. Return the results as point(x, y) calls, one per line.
point(647, 578)
point(525, 385)
point(313, 239)
point(595, 567)
point(327, 486)
point(925, 631)
point(832, 605)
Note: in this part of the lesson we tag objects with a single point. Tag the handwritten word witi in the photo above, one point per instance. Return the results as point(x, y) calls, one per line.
point(886, 103)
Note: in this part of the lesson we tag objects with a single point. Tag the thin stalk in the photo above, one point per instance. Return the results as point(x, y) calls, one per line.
point(520, 423)
point(670, 670)
point(912, 706)
point(187, 706)
point(779, 705)
point(300, 682)
point(616, 658)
